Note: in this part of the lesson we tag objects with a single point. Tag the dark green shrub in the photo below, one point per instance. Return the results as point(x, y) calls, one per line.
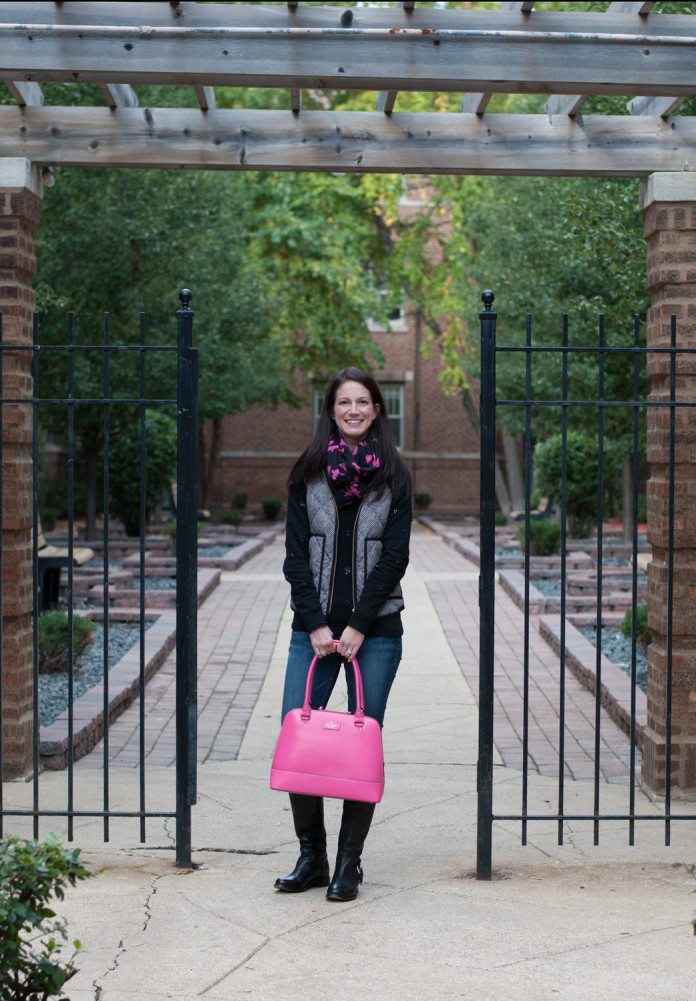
point(124, 467)
point(271, 506)
point(582, 475)
point(544, 537)
point(643, 630)
point(422, 501)
point(31, 965)
point(500, 518)
point(53, 640)
point(233, 517)
point(239, 501)
point(49, 517)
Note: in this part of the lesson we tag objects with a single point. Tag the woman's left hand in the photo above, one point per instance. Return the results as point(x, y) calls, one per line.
point(349, 643)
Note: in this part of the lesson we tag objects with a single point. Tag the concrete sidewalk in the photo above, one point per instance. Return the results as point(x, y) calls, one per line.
point(575, 921)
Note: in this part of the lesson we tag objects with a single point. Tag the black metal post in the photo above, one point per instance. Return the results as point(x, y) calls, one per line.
point(186, 591)
point(484, 775)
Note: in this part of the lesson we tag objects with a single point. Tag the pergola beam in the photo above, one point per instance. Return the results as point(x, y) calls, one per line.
point(351, 142)
point(612, 55)
point(119, 95)
point(25, 93)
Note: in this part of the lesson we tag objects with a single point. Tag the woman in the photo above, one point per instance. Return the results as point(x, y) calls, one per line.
point(347, 538)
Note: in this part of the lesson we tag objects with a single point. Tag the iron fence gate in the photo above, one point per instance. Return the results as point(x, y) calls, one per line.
point(564, 405)
point(111, 413)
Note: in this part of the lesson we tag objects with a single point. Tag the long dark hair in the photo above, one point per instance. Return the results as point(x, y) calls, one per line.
point(392, 472)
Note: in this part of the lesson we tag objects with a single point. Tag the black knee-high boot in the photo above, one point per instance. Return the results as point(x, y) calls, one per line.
point(312, 867)
point(348, 875)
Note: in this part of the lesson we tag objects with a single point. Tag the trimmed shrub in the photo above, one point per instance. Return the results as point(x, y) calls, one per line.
point(233, 517)
point(239, 501)
point(582, 475)
point(54, 640)
point(544, 537)
point(422, 501)
point(271, 507)
point(643, 630)
point(31, 873)
point(124, 467)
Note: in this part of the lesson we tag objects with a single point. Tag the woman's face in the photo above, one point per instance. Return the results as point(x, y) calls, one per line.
point(354, 412)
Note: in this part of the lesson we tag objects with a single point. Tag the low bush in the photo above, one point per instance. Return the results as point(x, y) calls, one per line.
point(422, 501)
point(232, 517)
point(501, 518)
point(643, 630)
point(54, 637)
point(544, 537)
point(239, 501)
point(32, 967)
point(271, 507)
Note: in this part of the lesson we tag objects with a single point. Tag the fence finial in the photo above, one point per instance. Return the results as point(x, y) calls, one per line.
point(487, 298)
point(185, 297)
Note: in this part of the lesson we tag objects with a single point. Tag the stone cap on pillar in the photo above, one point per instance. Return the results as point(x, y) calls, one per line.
point(668, 187)
point(18, 172)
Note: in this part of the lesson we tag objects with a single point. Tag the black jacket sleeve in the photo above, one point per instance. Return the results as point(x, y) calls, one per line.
point(389, 570)
point(296, 565)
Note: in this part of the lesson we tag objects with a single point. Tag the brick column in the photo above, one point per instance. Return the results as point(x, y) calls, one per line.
point(668, 204)
point(20, 207)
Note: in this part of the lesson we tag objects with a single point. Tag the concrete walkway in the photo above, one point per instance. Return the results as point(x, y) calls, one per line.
point(571, 921)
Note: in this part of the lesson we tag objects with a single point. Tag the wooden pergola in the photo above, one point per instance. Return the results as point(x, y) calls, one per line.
point(628, 51)
point(646, 59)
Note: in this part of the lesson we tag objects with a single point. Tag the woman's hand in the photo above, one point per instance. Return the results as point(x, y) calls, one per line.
point(349, 643)
point(322, 641)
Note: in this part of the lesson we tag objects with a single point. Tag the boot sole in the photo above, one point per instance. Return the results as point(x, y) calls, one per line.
point(301, 889)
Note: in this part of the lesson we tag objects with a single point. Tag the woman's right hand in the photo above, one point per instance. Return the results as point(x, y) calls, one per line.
point(322, 641)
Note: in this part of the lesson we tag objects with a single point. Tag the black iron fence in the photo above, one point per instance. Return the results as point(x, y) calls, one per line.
point(90, 394)
point(534, 363)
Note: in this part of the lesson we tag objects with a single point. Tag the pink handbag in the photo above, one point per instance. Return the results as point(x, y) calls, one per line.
point(325, 753)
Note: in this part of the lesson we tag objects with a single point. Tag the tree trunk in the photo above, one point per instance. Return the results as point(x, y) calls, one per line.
point(513, 468)
point(627, 499)
point(208, 463)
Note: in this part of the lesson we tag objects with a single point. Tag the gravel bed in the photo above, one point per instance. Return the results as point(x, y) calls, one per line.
point(214, 551)
point(53, 688)
point(617, 648)
point(156, 583)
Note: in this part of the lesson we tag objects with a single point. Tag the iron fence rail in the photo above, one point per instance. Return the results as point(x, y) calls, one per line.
point(186, 403)
point(490, 407)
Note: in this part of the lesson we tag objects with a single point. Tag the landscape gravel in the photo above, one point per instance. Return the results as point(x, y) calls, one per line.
point(617, 648)
point(53, 688)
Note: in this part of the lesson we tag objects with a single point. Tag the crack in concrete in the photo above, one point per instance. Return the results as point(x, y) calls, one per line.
point(234, 969)
point(122, 948)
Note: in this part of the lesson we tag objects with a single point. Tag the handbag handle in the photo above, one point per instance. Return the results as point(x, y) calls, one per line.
point(359, 697)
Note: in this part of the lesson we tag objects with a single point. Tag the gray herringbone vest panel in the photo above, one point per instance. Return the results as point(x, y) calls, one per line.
point(370, 524)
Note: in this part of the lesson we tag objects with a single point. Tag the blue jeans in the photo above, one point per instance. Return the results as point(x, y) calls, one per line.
point(378, 658)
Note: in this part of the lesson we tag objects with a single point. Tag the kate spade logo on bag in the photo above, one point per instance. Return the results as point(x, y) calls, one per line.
point(331, 724)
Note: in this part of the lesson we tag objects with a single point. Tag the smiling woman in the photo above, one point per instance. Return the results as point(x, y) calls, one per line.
point(347, 548)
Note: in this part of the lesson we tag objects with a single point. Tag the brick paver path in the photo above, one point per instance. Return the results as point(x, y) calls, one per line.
point(238, 627)
point(453, 585)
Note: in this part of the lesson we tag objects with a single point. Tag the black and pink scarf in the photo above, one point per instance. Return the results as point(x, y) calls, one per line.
point(349, 470)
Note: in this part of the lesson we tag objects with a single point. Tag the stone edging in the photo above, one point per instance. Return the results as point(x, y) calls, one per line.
point(124, 676)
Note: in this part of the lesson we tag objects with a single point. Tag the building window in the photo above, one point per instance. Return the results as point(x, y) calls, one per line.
point(395, 308)
point(394, 402)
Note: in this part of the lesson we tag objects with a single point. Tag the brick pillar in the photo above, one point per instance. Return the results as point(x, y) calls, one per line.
point(668, 203)
point(20, 207)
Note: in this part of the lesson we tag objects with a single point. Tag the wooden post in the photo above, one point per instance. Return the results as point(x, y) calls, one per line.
point(20, 208)
point(668, 203)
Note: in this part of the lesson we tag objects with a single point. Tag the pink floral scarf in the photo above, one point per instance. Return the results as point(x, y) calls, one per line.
point(349, 470)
